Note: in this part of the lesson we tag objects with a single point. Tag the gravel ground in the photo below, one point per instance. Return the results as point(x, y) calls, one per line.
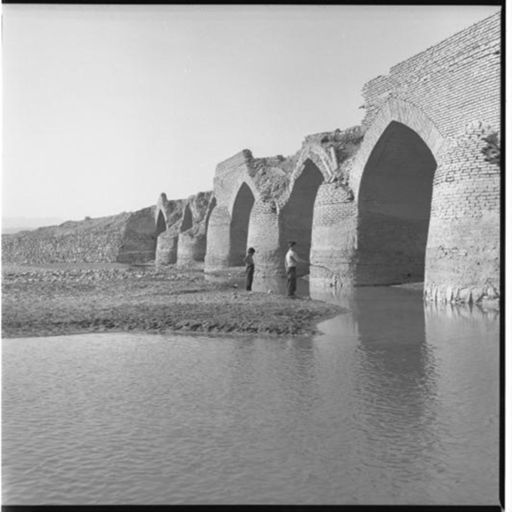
point(67, 299)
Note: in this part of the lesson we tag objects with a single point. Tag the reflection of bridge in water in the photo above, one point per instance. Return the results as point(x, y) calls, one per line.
point(418, 375)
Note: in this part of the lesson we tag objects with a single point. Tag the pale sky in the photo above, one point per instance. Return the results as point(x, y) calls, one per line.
point(105, 107)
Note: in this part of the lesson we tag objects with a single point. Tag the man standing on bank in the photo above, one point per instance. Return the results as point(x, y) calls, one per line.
point(291, 260)
point(249, 268)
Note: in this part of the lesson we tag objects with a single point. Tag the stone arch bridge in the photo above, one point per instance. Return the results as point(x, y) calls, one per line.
point(412, 194)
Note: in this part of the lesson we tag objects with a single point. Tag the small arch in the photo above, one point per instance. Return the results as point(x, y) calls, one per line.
point(235, 190)
point(187, 220)
point(239, 226)
point(325, 162)
point(161, 225)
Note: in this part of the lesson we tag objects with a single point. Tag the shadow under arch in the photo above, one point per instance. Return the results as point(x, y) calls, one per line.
point(239, 226)
point(296, 216)
point(187, 220)
point(394, 203)
point(160, 227)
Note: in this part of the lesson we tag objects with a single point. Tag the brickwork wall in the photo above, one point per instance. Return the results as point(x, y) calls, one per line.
point(229, 177)
point(454, 82)
point(463, 247)
point(449, 95)
point(264, 237)
point(333, 244)
point(217, 239)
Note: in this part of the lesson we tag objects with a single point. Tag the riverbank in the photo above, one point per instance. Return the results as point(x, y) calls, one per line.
point(66, 299)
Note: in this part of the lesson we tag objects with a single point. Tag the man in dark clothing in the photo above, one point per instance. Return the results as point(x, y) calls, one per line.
point(291, 260)
point(249, 268)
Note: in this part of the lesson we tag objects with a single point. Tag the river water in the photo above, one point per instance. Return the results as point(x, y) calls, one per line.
point(395, 402)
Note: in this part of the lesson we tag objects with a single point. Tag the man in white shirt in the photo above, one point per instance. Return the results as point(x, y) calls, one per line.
point(249, 268)
point(291, 260)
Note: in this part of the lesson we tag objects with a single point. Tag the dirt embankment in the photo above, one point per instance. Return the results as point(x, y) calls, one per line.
point(66, 299)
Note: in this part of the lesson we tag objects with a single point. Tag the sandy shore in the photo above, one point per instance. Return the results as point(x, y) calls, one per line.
point(67, 299)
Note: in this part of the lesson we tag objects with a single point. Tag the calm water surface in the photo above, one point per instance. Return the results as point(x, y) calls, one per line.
point(395, 403)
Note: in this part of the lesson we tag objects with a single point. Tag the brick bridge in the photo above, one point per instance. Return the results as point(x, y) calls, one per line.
point(412, 194)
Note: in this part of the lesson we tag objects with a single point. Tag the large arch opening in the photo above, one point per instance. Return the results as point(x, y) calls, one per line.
point(394, 204)
point(239, 226)
point(296, 217)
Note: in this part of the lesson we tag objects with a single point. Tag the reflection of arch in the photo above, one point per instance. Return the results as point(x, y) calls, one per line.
point(296, 216)
point(186, 221)
point(239, 226)
point(394, 202)
point(402, 112)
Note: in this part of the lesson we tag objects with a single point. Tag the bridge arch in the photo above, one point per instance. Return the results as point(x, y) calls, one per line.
point(187, 219)
point(405, 113)
point(243, 181)
point(394, 206)
point(239, 224)
point(161, 223)
point(324, 160)
point(296, 214)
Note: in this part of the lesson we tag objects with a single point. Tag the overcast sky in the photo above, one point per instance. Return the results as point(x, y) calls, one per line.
point(105, 107)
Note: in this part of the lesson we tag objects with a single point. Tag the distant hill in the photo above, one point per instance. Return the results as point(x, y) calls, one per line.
point(16, 224)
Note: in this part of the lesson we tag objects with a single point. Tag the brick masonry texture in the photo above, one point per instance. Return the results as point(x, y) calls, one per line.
point(410, 195)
